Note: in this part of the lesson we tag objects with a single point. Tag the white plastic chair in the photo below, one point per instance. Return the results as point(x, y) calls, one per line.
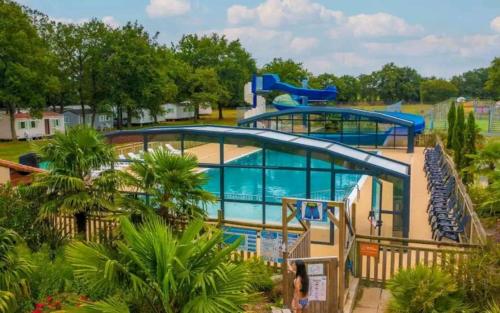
point(172, 149)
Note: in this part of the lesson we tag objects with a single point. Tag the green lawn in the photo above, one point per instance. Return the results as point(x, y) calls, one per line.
point(421, 109)
point(12, 150)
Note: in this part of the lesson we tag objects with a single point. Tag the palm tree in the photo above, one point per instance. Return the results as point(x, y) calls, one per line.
point(14, 271)
point(172, 182)
point(80, 179)
point(152, 270)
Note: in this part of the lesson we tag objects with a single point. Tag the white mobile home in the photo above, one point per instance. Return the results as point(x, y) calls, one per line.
point(144, 117)
point(174, 111)
point(28, 127)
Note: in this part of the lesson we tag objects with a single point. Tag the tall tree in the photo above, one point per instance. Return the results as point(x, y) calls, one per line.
point(471, 83)
point(132, 69)
point(458, 138)
point(205, 88)
point(492, 85)
point(349, 88)
point(435, 90)
point(233, 64)
point(452, 115)
point(398, 83)
point(24, 63)
point(469, 145)
point(368, 87)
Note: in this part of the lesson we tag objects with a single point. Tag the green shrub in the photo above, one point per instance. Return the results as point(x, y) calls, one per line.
point(424, 290)
point(481, 285)
point(493, 308)
point(260, 275)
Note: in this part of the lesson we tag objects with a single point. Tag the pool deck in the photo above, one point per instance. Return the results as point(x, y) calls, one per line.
point(419, 227)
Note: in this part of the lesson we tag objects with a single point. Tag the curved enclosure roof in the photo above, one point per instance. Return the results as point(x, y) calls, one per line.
point(369, 161)
point(375, 116)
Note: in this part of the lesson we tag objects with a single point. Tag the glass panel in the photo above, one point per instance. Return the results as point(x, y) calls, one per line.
point(242, 151)
point(243, 184)
point(320, 160)
point(212, 209)
point(368, 133)
point(243, 211)
point(344, 184)
point(384, 135)
point(213, 180)
point(126, 144)
point(285, 183)
point(281, 157)
point(397, 225)
point(171, 142)
point(321, 185)
point(205, 148)
point(273, 216)
point(285, 123)
point(300, 123)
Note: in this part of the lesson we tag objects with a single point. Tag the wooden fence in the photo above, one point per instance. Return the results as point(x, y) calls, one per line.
point(388, 255)
point(329, 271)
point(99, 227)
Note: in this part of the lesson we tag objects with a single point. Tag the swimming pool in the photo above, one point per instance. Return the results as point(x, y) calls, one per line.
point(243, 187)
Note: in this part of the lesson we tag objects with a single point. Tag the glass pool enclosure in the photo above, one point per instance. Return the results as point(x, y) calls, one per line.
point(250, 170)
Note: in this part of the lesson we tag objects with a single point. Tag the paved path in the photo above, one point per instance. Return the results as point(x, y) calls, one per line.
point(373, 300)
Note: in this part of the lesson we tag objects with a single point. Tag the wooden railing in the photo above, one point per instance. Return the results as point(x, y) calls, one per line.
point(395, 254)
point(301, 248)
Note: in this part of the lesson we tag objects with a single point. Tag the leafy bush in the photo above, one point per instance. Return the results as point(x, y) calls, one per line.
point(260, 275)
point(424, 290)
point(20, 215)
point(481, 284)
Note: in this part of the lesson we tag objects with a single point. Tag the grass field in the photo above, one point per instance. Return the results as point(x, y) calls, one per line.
point(12, 150)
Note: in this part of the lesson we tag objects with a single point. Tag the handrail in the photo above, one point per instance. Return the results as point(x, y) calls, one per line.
point(418, 241)
point(252, 225)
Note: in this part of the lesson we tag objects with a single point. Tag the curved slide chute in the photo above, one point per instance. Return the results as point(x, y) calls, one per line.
point(298, 96)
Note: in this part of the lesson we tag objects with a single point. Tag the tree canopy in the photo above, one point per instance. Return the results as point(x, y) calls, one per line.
point(435, 90)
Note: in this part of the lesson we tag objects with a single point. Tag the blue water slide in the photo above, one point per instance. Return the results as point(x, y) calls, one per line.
point(270, 82)
point(418, 120)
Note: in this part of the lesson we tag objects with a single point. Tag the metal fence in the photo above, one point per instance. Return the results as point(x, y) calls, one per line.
point(486, 113)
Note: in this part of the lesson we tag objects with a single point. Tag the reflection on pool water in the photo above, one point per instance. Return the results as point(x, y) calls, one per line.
point(245, 184)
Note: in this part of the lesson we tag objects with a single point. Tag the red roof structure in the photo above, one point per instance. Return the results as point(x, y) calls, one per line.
point(26, 115)
point(19, 173)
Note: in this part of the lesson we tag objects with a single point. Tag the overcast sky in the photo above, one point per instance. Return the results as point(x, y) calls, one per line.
point(437, 37)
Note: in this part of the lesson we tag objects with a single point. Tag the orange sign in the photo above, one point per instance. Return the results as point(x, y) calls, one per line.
point(369, 249)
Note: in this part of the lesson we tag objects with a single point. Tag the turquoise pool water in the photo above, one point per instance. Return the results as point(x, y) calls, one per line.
point(245, 184)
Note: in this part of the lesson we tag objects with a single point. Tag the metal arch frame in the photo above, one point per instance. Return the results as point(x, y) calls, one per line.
point(373, 116)
point(220, 135)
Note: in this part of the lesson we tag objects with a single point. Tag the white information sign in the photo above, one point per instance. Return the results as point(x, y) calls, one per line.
point(314, 269)
point(317, 288)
